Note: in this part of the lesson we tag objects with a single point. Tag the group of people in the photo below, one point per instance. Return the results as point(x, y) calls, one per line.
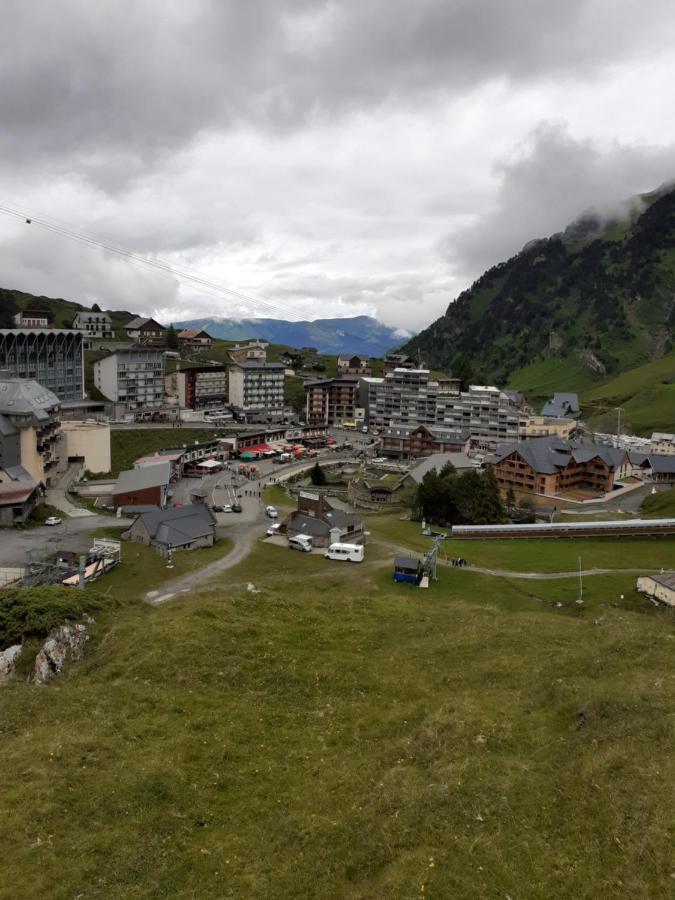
point(459, 562)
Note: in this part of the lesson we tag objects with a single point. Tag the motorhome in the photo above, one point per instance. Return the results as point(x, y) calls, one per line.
point(301, 542)
point(346, 552)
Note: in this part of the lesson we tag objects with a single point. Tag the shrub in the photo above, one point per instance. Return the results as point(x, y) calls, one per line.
point(34, 612)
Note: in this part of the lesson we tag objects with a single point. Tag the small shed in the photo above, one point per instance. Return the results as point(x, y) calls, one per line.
point(660, 587)
point(408, 569)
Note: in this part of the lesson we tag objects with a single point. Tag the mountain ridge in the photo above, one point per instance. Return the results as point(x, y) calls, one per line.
point(361, 335)
point(600, 295)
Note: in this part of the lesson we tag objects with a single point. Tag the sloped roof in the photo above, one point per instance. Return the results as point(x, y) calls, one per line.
point(438, 461)
point(143, 478)
point(191, 333)
point(546, 455)
point(177, 526)
point(23, 397)
point(663, 436)
point(406, 562)
point(661, 464)
point(18, 486)
point(665, 579)
point(136, 323)
point(563, 404)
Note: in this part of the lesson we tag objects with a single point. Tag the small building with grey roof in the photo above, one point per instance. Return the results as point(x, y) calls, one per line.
point(145, 486)
point(174, 528)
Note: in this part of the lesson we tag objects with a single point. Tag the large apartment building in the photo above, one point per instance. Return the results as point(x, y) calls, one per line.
point(550, 465)
point(30, 428)
point(201, 387)
point(404, 396)
point(51, 356)
point(134, 378)
point(257, 387)
point(331, 401)
point(489, 414)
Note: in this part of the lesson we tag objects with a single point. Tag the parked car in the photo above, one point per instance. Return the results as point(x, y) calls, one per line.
point(53, 520)
point(217, 508)
point(236, 507)
point(273, 529)
point(226, 508)
point(271, 512)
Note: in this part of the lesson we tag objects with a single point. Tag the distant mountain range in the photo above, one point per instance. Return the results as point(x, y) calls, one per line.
point(360, 334)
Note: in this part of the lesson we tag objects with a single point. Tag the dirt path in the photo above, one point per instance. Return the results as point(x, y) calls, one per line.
point(243, 544)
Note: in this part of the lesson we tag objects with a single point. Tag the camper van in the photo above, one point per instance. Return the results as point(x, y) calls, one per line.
point(301, 542)
point(347, 552)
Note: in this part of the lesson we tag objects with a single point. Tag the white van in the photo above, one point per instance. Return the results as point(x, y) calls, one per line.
point(301, 542)
point(271, 512)
point(347, 552)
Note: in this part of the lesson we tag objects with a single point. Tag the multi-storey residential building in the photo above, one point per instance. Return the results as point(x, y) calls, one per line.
point(146, 332)
point(52, 357)
point(331, 401)
point(424, 440)
point(353, 365)
point(257, 387)
point(400, 361)
point(94, 324)
point(550, 465)
point(134, 378)
point(194, 338)
point(200, 387)
point(489, 414)
point(541, 426)
point(662, 442)
point(404, 396)
point(30, 428)
point(31, 319)
point(254, 351)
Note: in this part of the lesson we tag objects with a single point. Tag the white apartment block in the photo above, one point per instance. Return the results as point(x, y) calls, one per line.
point(94, 324)
point(410, 397)
point(257, 387)
point(132, 377)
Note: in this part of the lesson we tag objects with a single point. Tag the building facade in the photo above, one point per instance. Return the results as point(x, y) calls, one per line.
point(31, 319)
point(134, 378)
point(202, 387)
point(353, 365)
point(94, 324)
point(146, 331)
point(331, 401)
point(663, 443)
point(489, 415)
point(52, 357)
point(257, 387)
point(404, 442)
point(404, 396)
point(400, 361)
point(542, 426)
point(30, 429)
point(195, 339)
point(255, 351)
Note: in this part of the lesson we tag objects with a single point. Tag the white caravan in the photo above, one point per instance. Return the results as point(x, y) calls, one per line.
point(346, 552)
point(301, 542)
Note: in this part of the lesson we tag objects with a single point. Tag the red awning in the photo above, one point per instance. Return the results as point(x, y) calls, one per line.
point(259, 448)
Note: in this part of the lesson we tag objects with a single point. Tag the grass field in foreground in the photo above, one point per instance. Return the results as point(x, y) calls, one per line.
point(661, 504)
point(336, 735)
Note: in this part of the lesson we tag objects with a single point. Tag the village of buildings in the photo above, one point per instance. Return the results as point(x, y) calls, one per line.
point(381, 433)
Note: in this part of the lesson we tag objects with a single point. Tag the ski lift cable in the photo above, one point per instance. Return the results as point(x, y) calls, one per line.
point(73, 232)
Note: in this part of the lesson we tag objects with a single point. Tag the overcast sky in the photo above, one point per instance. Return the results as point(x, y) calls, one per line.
point(329, 158)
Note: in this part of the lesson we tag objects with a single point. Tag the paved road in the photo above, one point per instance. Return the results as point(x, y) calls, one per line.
point(57, 496)
point(16, 542)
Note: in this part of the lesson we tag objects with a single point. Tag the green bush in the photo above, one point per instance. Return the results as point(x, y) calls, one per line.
point(27, 612)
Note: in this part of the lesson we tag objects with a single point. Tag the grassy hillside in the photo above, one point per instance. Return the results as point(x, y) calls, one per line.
point(599, 292)
point(336, 735)
point(61, 312)
point(659, 505)
point(646, 395)
point(128, 444)
point(539, 380)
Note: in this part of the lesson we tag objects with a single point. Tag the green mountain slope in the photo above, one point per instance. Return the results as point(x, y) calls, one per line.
point(592, 301)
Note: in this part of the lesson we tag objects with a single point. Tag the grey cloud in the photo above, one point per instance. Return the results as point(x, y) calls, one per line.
point(118, 86)
point(551, 181)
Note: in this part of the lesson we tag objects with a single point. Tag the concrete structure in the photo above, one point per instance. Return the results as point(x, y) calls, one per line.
point(317, 518)
point(353, 365)
point(552, 466)
point(94, 324)
point(176, 528)
point(254, 351)
point(562, 404)
point(19, 495)
point(194, 338)
point(31, 319)
point(543, 426)
point(146, 331)
point(424, 440)
point(331, 401)
point(489, 414)
point(662, 443)
point(88, 442)
point(257, 387)
point(30, 428)
point(146, 486)
point(134, 378)
point(52, 357)
point(202, 387)
point(660, 587)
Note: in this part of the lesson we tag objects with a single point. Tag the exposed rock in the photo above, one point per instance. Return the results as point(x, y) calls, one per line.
point(588, 358)
point(64, 643)
point(8, 660)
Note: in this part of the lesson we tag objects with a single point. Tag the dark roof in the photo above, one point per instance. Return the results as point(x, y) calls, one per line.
point(546, 455)
point(19, 486)
point(661, 463)
point(406, 562)
point(304, 524)
point(25, 397)
point(438, 461)
point(146, 477)
point(666, 579)
point(563, 404)
point(178, 526)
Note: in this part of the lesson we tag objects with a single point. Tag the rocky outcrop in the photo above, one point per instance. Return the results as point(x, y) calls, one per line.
point(65, 643)
point(8, 660)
